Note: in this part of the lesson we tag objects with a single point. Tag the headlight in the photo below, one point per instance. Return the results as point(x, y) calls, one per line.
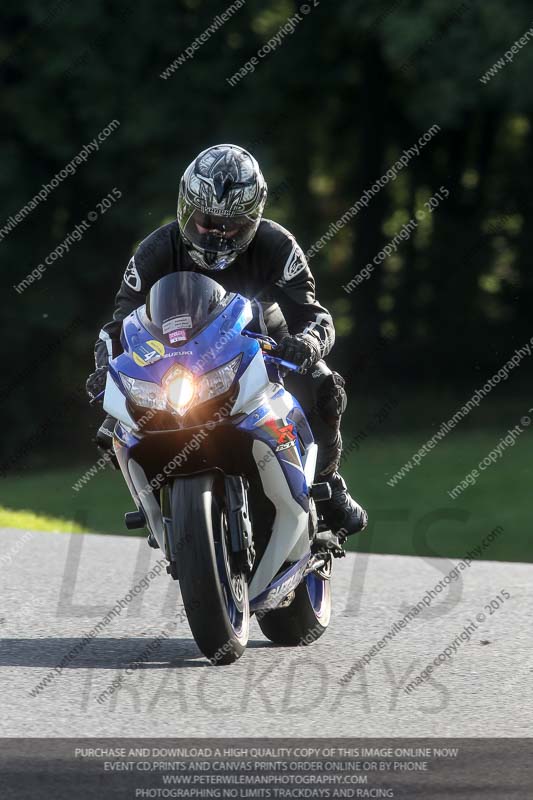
point(144, 393)
point(178, 384)
point(179, 387)
point(217, 381)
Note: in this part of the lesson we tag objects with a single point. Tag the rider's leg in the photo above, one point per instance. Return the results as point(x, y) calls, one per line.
point(104, 439)
point(104, 434)
point(322, 396)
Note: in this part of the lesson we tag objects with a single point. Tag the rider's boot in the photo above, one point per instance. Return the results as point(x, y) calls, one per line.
point(104, 439)
point(341, 513)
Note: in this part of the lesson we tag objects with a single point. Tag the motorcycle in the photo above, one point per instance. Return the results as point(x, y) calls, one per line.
point(220, 461)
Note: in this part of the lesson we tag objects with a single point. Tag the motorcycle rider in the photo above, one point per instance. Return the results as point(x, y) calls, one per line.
point(220, 232)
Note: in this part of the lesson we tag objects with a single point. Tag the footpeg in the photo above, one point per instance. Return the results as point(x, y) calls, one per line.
point(326, 540)
point(320, 564)
point(134, 520)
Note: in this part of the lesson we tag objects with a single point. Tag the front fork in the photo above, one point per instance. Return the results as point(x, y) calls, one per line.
point(239, 524)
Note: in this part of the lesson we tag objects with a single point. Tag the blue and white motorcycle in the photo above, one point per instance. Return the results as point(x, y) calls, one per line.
point(220, 461)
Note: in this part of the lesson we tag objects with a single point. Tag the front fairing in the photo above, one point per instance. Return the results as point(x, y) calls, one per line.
point(149, 359)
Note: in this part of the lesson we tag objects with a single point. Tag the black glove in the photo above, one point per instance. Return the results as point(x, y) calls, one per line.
point(96, 382)
point(301, 349)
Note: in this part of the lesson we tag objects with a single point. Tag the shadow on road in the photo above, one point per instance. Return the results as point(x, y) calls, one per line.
point(103, 653)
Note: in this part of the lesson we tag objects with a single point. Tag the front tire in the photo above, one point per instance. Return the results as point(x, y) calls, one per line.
point(306, 619)
point(213, 587)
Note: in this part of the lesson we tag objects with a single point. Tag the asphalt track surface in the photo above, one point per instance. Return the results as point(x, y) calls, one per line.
point(55, 588)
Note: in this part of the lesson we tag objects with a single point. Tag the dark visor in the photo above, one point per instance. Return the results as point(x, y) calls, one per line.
point(220, 234)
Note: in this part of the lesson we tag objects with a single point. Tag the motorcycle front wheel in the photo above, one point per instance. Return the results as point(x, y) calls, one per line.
point(213, 586)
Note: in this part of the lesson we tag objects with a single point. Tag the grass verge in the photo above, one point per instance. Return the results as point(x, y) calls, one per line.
point(415, 517)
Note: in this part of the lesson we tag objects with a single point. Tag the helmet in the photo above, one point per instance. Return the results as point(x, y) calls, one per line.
point(221, 200)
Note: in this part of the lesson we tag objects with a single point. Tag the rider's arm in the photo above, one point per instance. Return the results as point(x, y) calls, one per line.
point(146, 266)
point(295, 293)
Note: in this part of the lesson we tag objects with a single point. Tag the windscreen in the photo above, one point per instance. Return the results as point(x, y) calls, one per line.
point(179, 305)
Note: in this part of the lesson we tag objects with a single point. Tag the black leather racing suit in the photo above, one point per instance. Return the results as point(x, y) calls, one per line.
point(273, 272)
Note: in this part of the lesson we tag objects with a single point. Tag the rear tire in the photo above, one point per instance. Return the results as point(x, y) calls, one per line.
point(306, 619)
point(214, 590)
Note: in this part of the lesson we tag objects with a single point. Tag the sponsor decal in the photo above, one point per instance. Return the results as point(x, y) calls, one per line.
point(132, 277)
point(148, 353)
point(295, 264)
point(219, 211)
point(285, 446)
point(282, 433)
point(286, 434)
point(277, 594)
point(177, 323)
point(177, 336)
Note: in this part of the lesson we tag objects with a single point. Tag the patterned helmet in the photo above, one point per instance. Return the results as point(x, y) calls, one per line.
point(221, 200)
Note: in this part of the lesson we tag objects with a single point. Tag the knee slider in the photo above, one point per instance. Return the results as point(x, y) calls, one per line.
point(332, 398)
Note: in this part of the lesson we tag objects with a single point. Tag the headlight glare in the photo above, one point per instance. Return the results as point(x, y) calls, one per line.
point(179, 387)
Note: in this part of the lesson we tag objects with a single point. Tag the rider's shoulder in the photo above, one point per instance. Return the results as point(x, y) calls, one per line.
point(271, 234)
point(159, 241)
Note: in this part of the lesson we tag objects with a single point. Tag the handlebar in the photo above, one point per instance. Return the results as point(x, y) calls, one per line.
point(282, 363)
point(97, 397)
point(267, 345)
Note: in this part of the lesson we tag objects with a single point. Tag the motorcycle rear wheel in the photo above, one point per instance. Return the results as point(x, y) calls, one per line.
point(303, 621)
